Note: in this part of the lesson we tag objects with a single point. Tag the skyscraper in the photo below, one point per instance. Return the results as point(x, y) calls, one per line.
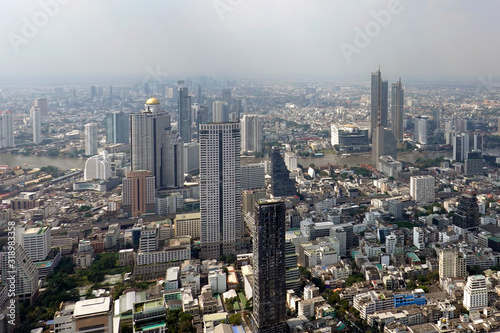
point(155, 147)
point(199, 97)
point(138, 193)
point(422, 189)
point(451, 264)
point(36, 118)
point(460, 146)
point(475, 293)
point(220, 188)
point(251, 133)
point(282, 185)
point(42, 104)
point(379, 101)
point(226, 97)
point(220, 111)
point(117, 127)
point(98, 167)
point(397, 102)
point(420, 129)
point(185, 114)
point(90, 139)
point(6, 129)
point(269, 281)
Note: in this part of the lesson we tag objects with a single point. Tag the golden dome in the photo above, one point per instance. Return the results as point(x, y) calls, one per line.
point(153, 101)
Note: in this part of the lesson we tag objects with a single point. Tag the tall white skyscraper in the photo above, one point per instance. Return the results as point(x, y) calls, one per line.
point(90, 139)
point(155, 147)
point(6, 129)
point(43, 105)
point(475, 293)
point(422, 189)
point(36, 118)
point(420, 129)
point(251, 133)
point(220, 188)
point(220, 112)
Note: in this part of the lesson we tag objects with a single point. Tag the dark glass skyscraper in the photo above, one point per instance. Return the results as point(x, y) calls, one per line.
point(117, 127)
point(185, 114)
point(379, 98)
point(269, 284)
point(467, 214)
point(282, 184)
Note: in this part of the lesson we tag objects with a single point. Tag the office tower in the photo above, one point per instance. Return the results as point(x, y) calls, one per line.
point(155, 146)
point(379, 101)
point(436, 118)
point(185, 114)
point(451, 264)
point(475, 293)
point(191, 157)
point(220, 188)
point(199, 97)
point(90, 139)
point(282, 185)
point(467, 213)
point(253, 176)
point(238, 108)
point(93, 92)
point(251, 133)
point(220, 112)
point(377, 145)
point(148, 239)
point(36, 119)
point(390, 147)
point(269, 280)
point(397, 103)
point(460, 147)
point(117, 127)
point(43, 105)
point(6, 129)
point(226, 97)
point(23, 270)
point(422, 189)
point(292, 270)
point(474, 163)
point(138, 193)
point(478, 142)
point(98, 167)
point(420, 129)
point(461, 125)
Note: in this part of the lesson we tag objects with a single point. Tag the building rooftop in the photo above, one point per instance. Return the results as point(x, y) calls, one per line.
point(92, 306)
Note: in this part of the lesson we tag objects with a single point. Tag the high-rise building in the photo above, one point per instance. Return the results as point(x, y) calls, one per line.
point(474, 163)
point(93, 92)
point(43, 105)
point(98, 167)
point(451, 264)
point(390, 243)
point(379, 101)
point(291, 161)
point(422, 189)
point(36, 118)
point(251, 133)
point(90, 139)
point(418, 238)
point(467, 213)
point(138, 193)
point(185, 114)
point(117, 127)
point(475, 293)
point(199, 97)
point(6, 129)
point(436, 118)
point(460, 146)
point(155, 146)
point(397, 103)
point(191, 157)
point(269, 280)
point(220, 112)
point(36, 242)
point(238, 108)
point(253, 176)
point(292, 270)
point(226, 97)
point(420, 129)
point(23, 270)
point(282, 185)
point(220, 188)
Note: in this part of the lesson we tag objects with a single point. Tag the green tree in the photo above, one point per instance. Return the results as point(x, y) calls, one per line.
point(235, 319)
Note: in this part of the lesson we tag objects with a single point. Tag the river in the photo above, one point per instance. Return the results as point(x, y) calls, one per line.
point(31, 161)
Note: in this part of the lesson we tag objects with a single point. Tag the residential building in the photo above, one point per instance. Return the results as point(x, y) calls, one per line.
point(420, 129)
point(188, 225)
point(475, 293)
point(184, 106)
point(422, 189)
point(451, 264)
point(36, 118)
point(138, 193)
point(251, 133)
point(253, 176)
point(91, 139)
point(6, 129)
point(37, 242)
point(117, 127)
point(397, 103)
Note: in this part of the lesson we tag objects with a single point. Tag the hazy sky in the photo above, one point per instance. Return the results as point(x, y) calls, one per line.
point(249, 38)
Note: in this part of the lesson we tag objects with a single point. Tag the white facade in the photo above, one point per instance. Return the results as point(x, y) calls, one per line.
point(420, 130)
point(37, 242)
point(390, 243)
point(98, 167)
point(218, 282)
point(475, 293)
point(168, 254)
point(251, 133)
point(63, 319)
point(90, 139)
point(191, 157)
point(418, 238)
point(422, 189)
point(220, 112)
point(172, 278)
point(291, 161)
point(6, 129)
point(253, 176)
point(36, 118)
point(220, 197)
point(451, 264)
